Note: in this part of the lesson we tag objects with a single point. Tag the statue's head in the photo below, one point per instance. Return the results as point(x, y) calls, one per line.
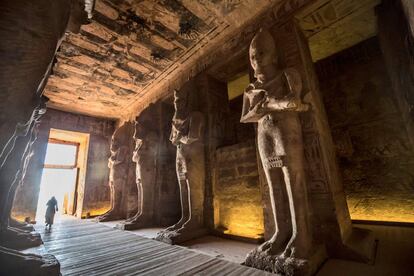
point(121, 136)
point(78, 16)
point(146, 121)
point(180, 100)
point(262, 51)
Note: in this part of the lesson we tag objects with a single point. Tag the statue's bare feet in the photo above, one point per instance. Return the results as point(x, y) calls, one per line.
point(133, 219)
point(295, 249)
point(135, 222)
point(108, 216)
point(176, 226)
point(275, 245)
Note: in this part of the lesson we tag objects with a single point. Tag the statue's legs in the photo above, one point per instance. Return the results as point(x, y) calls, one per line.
point(194, 183)
point(301, 241)
point(113, 212)
point(280, 211)
point(182, 176)
point(190, 173)
point(185, 202)
point(272, 155)
point(140, 198)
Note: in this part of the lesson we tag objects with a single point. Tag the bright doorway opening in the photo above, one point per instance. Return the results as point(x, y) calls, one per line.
point(63, 173)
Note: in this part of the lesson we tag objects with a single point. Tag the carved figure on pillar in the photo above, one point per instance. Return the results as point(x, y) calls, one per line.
point(145, 156)
point(22, 83)
point(20, 235)
point(273, 101)
point(187, 135)
point(118, 164)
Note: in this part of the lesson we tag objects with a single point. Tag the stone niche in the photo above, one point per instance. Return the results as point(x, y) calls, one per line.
point(238, 209)
point(93, 196)
point(371, 139)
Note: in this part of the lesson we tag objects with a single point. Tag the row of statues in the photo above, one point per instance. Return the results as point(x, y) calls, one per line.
point(28, 51)
point(273, 102)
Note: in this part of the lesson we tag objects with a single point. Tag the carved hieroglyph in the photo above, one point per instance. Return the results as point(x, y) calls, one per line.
point(273, 101)
point(187, 135)
point(118, 164)
point(145, 156)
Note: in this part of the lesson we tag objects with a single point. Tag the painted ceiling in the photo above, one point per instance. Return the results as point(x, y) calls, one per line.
point(134, 46)
point(136, 51)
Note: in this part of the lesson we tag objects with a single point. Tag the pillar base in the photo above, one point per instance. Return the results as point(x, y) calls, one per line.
point(21, 225)
point(14, 262)
point(360, 246)
point(16, 238)
point(109, 216)
point(288, 266)
point(180, 235)
point(127, 226)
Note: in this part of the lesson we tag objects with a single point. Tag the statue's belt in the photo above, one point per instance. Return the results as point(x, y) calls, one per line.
point(275, 162)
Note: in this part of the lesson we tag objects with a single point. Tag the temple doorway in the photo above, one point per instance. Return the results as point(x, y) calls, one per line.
point(63, 172)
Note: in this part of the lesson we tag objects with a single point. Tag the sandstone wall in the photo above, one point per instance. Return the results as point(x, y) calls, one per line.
point(238, 198)
point(375, 154)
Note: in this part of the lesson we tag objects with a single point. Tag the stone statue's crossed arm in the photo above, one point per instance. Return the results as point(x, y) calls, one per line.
point(292, 101)
point(195, 130)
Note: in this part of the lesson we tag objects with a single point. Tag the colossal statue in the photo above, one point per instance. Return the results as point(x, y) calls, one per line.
point(273, 101)
point(187, 135)
point(145, 157)
point(30, 36)
point(118, 164)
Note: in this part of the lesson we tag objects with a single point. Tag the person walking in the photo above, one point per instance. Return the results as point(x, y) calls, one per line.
point(52, 208)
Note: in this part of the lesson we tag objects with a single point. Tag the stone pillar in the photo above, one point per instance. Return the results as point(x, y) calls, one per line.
point(188, 135)
point(25, 202)
point(167, 194)
point(330, 219)
point(398, 52)
point(147, 142)
point(120, 172)
point(213, 94)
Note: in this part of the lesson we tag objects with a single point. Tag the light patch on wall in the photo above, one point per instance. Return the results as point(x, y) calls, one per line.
point(245, 220)
point(391, 207)
point(334, 25)
point(237, 86)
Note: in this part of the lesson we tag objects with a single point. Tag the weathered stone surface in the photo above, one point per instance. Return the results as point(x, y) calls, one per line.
point(25, 67)
point(93, 190)
point(14, 262)
point(237, 197)
point(119, 164)
point(147, 140)
point(370, 135)
point(274, 101)
point(331, 216)
point(187, 134)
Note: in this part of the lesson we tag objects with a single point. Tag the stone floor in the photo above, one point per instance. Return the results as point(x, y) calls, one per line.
point(88, 248)
point(226, 249)
point(394, 256)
